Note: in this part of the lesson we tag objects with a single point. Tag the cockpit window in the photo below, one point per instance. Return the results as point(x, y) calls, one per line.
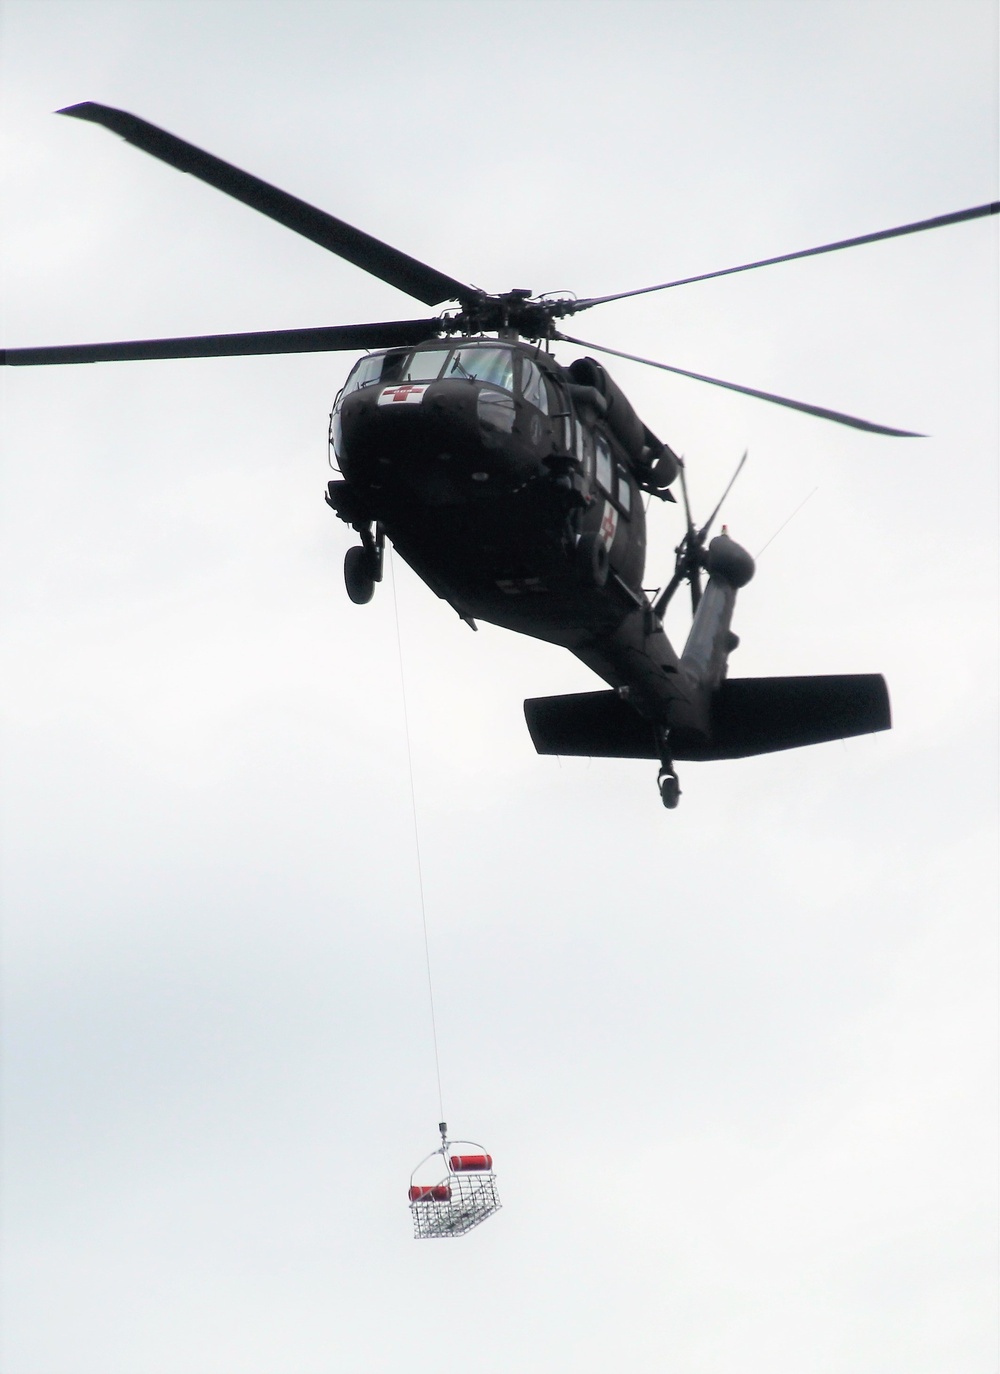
point(493, 365)
point(377, 367)
point(424, 366)
point(533, 386)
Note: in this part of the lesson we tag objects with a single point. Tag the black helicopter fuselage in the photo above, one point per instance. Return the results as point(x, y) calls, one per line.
point(512, 486)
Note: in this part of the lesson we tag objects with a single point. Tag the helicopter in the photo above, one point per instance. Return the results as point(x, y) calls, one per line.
point(516, 488)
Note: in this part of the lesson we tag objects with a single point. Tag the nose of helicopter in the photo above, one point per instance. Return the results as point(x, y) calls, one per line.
point(443, 442)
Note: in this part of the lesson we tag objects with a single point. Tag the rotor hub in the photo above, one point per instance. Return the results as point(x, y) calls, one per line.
point(513, 312)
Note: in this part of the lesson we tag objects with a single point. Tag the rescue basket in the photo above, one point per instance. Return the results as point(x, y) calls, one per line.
point(452, 1190)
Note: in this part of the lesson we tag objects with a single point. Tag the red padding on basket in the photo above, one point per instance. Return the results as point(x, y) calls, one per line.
point(435, 1192)
point(462, 1164)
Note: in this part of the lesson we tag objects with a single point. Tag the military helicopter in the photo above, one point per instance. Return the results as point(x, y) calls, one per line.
point(514, 485)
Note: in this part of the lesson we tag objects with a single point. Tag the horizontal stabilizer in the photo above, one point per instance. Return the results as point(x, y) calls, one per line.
point(751, 715)
point(597, 725)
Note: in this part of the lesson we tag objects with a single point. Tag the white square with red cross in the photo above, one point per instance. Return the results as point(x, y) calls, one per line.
point(404, 395)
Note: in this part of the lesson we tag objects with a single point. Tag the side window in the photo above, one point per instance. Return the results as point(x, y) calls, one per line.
point(624, 492)
point(562, 415)
point(377, 367)
point(584, 450)
point(604, 469)
point(533, 386)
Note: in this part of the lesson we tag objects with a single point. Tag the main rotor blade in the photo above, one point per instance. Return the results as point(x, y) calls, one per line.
point(425, 283)
point(331, 339)
point(938, 222)
point(835, 415)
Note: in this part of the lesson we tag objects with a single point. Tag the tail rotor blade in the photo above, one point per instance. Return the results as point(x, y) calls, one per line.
point(687, 502)
point(688, 565)
point(711, 519)
point(695, 580)
point(690, 551)
point(664, 598)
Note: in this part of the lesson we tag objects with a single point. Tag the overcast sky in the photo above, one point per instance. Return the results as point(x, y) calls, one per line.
point(735, 1063)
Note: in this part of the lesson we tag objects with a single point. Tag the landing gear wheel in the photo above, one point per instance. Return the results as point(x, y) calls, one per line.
point(359, 575)
point(670, 790)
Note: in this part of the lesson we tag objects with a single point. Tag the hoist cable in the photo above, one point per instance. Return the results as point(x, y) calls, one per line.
point(416, 835)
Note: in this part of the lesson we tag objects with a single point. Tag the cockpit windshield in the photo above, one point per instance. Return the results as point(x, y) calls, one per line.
point(480, 363)
point(493, 365)
point(425, 365)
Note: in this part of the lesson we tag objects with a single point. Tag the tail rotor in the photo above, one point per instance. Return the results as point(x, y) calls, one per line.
point(690, 552)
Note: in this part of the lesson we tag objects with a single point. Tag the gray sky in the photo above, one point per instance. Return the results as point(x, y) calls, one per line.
point(736, 1064)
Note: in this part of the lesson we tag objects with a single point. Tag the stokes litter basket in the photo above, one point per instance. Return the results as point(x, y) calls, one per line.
point(466, 1194)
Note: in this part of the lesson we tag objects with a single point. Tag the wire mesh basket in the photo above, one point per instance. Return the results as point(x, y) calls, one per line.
point(453, 1202)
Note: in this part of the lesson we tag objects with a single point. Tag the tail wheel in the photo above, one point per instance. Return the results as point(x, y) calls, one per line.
point(359, 575)
point(670, 790)
point(592, 559)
